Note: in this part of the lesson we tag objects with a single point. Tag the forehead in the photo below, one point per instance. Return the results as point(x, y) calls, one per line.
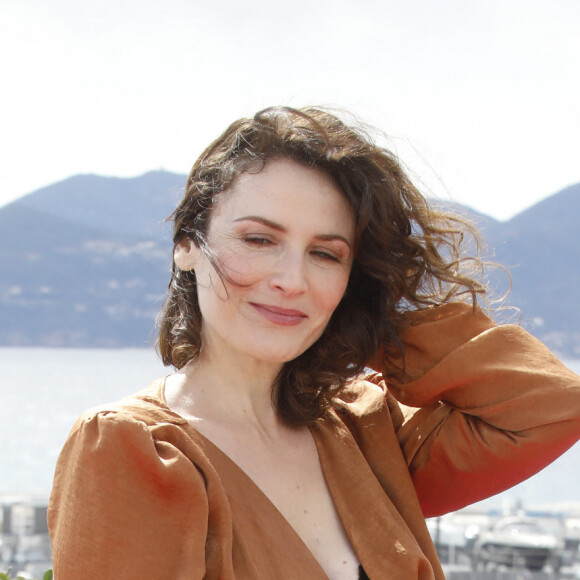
point(286, 188)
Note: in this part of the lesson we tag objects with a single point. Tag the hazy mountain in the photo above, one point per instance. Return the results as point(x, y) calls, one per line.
point(83, 270)
point(85, 262)
point(128, 206)
point(541, 246)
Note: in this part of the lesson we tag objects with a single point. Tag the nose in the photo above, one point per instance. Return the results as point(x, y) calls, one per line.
point(289, 275)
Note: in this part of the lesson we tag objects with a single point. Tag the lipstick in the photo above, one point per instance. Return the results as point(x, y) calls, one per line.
point(277, 315)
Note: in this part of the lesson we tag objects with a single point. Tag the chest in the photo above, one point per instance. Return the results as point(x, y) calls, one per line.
point(291, 477)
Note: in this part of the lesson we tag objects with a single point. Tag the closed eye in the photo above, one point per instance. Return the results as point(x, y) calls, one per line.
point(257, 240)
point(325, 256)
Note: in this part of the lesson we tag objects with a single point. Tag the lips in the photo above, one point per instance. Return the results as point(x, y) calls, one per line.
point(277, 315)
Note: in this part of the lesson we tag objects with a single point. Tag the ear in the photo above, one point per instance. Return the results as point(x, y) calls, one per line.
point(186, 254)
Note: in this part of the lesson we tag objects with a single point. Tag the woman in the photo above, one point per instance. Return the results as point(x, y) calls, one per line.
point(303, 256)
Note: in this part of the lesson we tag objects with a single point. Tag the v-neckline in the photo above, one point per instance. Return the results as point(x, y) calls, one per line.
point(215, 452)
point(397, 551)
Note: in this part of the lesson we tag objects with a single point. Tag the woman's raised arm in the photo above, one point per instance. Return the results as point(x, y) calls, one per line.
point(483, 406)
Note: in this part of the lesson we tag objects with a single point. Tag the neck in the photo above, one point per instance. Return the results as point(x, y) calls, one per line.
point(227, 389)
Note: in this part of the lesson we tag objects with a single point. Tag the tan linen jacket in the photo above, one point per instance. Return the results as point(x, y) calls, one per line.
point(139, 493)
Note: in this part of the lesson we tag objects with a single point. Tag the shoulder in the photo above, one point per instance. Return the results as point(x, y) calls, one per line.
point(127, 470)
point(146, 407)
point(134, 443)
point(140, 425)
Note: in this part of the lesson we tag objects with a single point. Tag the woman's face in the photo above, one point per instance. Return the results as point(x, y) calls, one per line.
point(284, 239)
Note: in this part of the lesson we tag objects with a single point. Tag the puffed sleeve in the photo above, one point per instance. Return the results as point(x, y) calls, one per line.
point(480, 407)
point(125, 505)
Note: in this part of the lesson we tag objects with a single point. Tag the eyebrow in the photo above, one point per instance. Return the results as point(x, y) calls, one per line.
point(279, 227)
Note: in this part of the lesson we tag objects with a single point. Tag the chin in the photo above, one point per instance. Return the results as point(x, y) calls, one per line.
point(270, 354)
point(280, 358)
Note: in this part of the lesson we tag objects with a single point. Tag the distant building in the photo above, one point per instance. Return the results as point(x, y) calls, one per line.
point(24, 541)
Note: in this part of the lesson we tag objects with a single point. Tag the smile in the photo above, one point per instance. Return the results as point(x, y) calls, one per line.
point(281, 316)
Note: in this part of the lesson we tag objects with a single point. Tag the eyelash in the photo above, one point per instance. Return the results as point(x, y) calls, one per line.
point(257, 241)
point(325, 256)
point(260, 242)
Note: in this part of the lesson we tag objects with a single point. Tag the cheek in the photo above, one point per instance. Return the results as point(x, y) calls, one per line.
point(210, 289)
point(238, 272)
point(243, 268)
point(332, 290)
point(210, 285)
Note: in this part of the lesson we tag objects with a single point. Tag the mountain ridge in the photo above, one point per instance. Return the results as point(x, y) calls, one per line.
point(86, 262)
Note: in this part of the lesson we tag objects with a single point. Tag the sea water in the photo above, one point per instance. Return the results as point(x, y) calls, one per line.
point(43, 390)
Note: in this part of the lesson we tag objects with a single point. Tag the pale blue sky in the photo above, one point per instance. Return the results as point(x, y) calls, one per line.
point(482, 96)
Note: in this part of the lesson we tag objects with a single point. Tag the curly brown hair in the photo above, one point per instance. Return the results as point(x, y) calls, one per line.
point(408, 255)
